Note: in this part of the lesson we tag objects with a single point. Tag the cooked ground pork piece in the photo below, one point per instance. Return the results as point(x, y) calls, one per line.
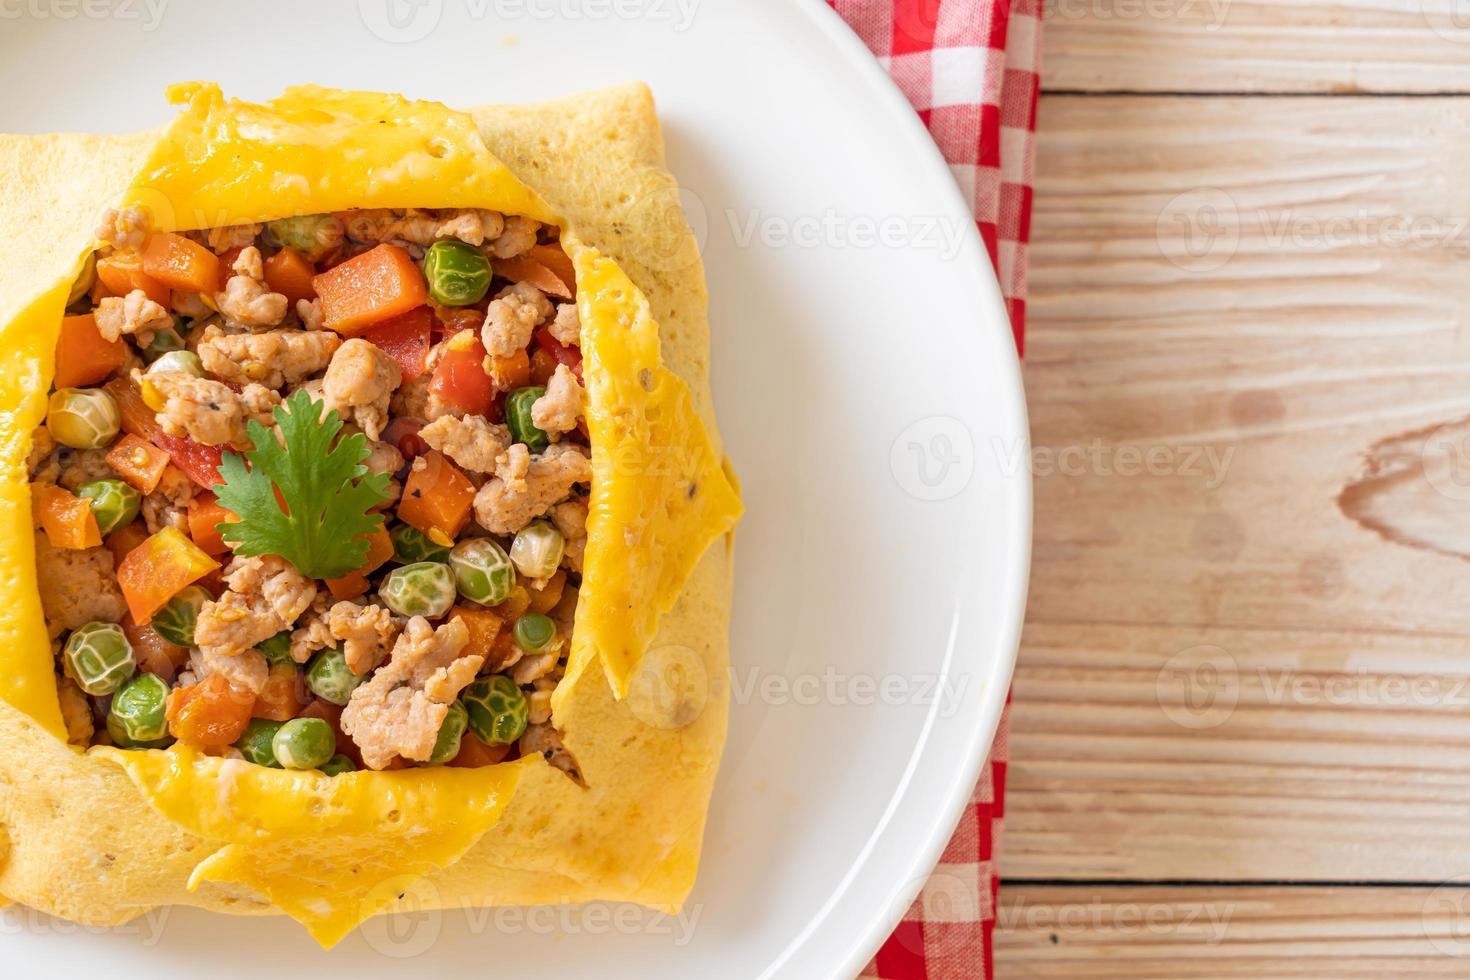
point(512, 466)
point(221, 240)
point(416, 226)
point(505, 508)
point(159, 512)
point(309, 311)
point(411, 400)
point(383, 457)
point(123, 228)
point(545, 741)
point(246, 299)
point(366, 633)
point(77, 586)
point(557, 411)
point(570, 519)
point(134, 314)
point(312, 633)
point(566, 327)
point(41, 446)
point(266, 595)
point(538, 702)
point(519, 235)
point(210, 412)
point(399, 710)
point(512, 317)
point(473, 442)
point(274, 358)
point(533, 667)
point(247, 671)
point(76, 712)
point(83, 466)
point(188, 305)
point(359, 384)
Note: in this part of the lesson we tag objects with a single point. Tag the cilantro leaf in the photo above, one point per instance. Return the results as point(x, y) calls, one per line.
point(327, 490)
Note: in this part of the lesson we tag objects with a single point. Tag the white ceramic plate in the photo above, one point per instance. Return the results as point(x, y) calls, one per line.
point(867, 387)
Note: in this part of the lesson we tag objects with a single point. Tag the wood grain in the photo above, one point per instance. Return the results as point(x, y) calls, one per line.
point(1232, 46)
point(1224, 675)
point(1136, 933)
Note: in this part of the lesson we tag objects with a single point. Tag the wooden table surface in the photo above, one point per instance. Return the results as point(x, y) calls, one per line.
point(1241, 724)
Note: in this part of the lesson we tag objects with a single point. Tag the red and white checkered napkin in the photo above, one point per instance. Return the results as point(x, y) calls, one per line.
point(970, 68)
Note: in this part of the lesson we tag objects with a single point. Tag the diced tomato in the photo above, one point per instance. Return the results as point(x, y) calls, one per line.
point(198, 461)
point(66, 518)
point(370, 288)
point(404, 434)
point(209, 713)
point(154, 654)
point(562, 353)
point(436, 498)
point(227, 264)
point(154, 572)
point(289, 273)
point(460, 379)
point(355, 583)
point(405, 338)
point(180, 263)
point(205, 514)
point(474, 753)
point(140, 464)
point(284, 695)
point(83, 356)
point(122, 272)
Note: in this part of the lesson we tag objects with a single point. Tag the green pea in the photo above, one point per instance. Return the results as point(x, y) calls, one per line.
point(518, 416)
point(277, 649)
point(425, 588)
point(497, 709)
point(83, 418)
point(304, 743)
point(537, 549)
point(178, 362)
point(99, 657)
point(84, 280)
point(175, 621)
point(535, 633)
point(255, 744)
point(446, 747)
point(337, 765)
point(329, 677)
point(412, 545)
point(136, 719)
point(482, 571)
point(165, 342)
point(311, 234)
point(114, 503)
point(457, 274)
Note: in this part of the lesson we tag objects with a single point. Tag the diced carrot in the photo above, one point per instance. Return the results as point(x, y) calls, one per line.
point(140, 464)
point(454, 319)
point(284, 695)
point(154, 572)
point(205, 513)
point(436, 498)
point(289, 273)
point(355, 583)
point(543, 366)
point(544, 599)
point(66, 518)
point(125, 539)
point(532, 267)
point(514, 605)
point(209, 713)
point(137, 418)
point(122, 272)
point(474, 753)
point(83, 356)
point(483, 626)
point(154, 654)
point(180, 263)
point(510, 372)
point(366, 290)
point(405, 338)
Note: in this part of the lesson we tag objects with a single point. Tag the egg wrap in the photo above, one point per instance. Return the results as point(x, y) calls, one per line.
point(104, 835)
